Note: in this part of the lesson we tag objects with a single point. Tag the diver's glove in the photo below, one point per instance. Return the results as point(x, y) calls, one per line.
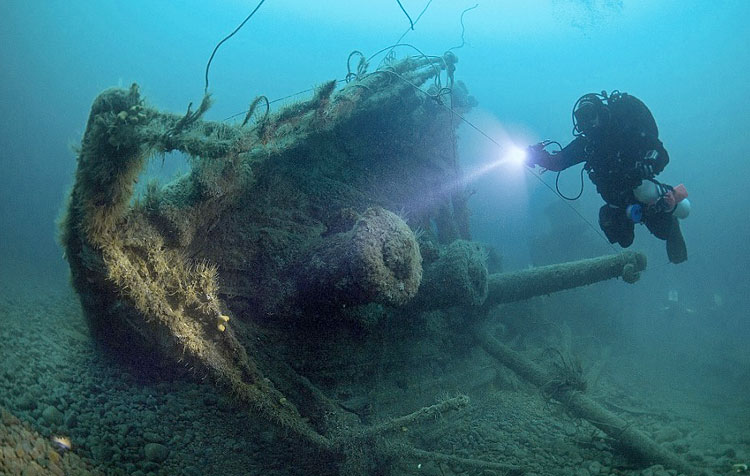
point(535, 154)
point(644, 168)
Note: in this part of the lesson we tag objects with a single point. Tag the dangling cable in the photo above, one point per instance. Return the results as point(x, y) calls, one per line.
point(463, 28)
point(557, 187)
point(544, 145)
point(449, 108)
point(208, 65)
point(407, 15)
point(455, 113)
point(415, 22)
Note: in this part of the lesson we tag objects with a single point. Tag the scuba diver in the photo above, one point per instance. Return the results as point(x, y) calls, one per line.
point(617, 138)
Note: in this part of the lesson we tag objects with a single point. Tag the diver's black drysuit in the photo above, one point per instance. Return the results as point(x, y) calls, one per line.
point(619, 154)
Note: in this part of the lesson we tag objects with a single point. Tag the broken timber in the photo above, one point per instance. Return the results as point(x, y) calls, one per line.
point(634, 443)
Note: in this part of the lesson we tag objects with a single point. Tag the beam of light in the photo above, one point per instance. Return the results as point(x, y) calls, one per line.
point(494, 169)
point(516, 155)
point(512, 156)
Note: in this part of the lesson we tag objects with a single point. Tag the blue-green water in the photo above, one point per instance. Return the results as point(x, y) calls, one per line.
point(676, 340)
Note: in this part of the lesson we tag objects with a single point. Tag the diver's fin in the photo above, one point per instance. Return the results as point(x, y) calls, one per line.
point(676, 248)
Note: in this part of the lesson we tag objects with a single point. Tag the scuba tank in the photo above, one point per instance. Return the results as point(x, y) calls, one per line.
point(662, 197)
point(682, 209)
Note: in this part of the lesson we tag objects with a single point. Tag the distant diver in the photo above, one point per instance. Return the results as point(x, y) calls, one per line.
point(617, 138)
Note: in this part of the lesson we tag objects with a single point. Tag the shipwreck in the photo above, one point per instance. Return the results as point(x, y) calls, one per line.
point(303, 246)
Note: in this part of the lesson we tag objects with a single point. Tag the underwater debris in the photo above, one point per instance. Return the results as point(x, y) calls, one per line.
point(234, 32)
point(25, 451)
point(253, 105)
point(411, 22)
point(287, 227)
point(519, 285)
point(378, 260)
point(462, 264)
point(568, 374)
point(61, 443)
point(567, 389)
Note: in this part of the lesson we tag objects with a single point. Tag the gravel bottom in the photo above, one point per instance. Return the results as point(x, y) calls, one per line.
point(53, 381)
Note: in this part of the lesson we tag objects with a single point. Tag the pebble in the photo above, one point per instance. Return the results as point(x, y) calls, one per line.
point(667, 434)
point(131, 432)
point(25, 402)
point(595, 467)
point(192, 471)
point(52, 416)
point(71, 421)
point(24, 452)
point(156, 452)
point(152, 437)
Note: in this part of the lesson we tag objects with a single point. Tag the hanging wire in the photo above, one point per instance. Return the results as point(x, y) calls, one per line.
point(360, 66)
point(421, 54)
point(208, 65)
point(462, 119)
point(440, 91)
point(284, 98)
point(360, 73)
point(463, 28)
point(410, 29)
point(405, 13)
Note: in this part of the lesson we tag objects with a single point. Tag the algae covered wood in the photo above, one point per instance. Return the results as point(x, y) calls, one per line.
point(519, 285)
point(633, 443)
point(270, 219)
point(458, 276)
